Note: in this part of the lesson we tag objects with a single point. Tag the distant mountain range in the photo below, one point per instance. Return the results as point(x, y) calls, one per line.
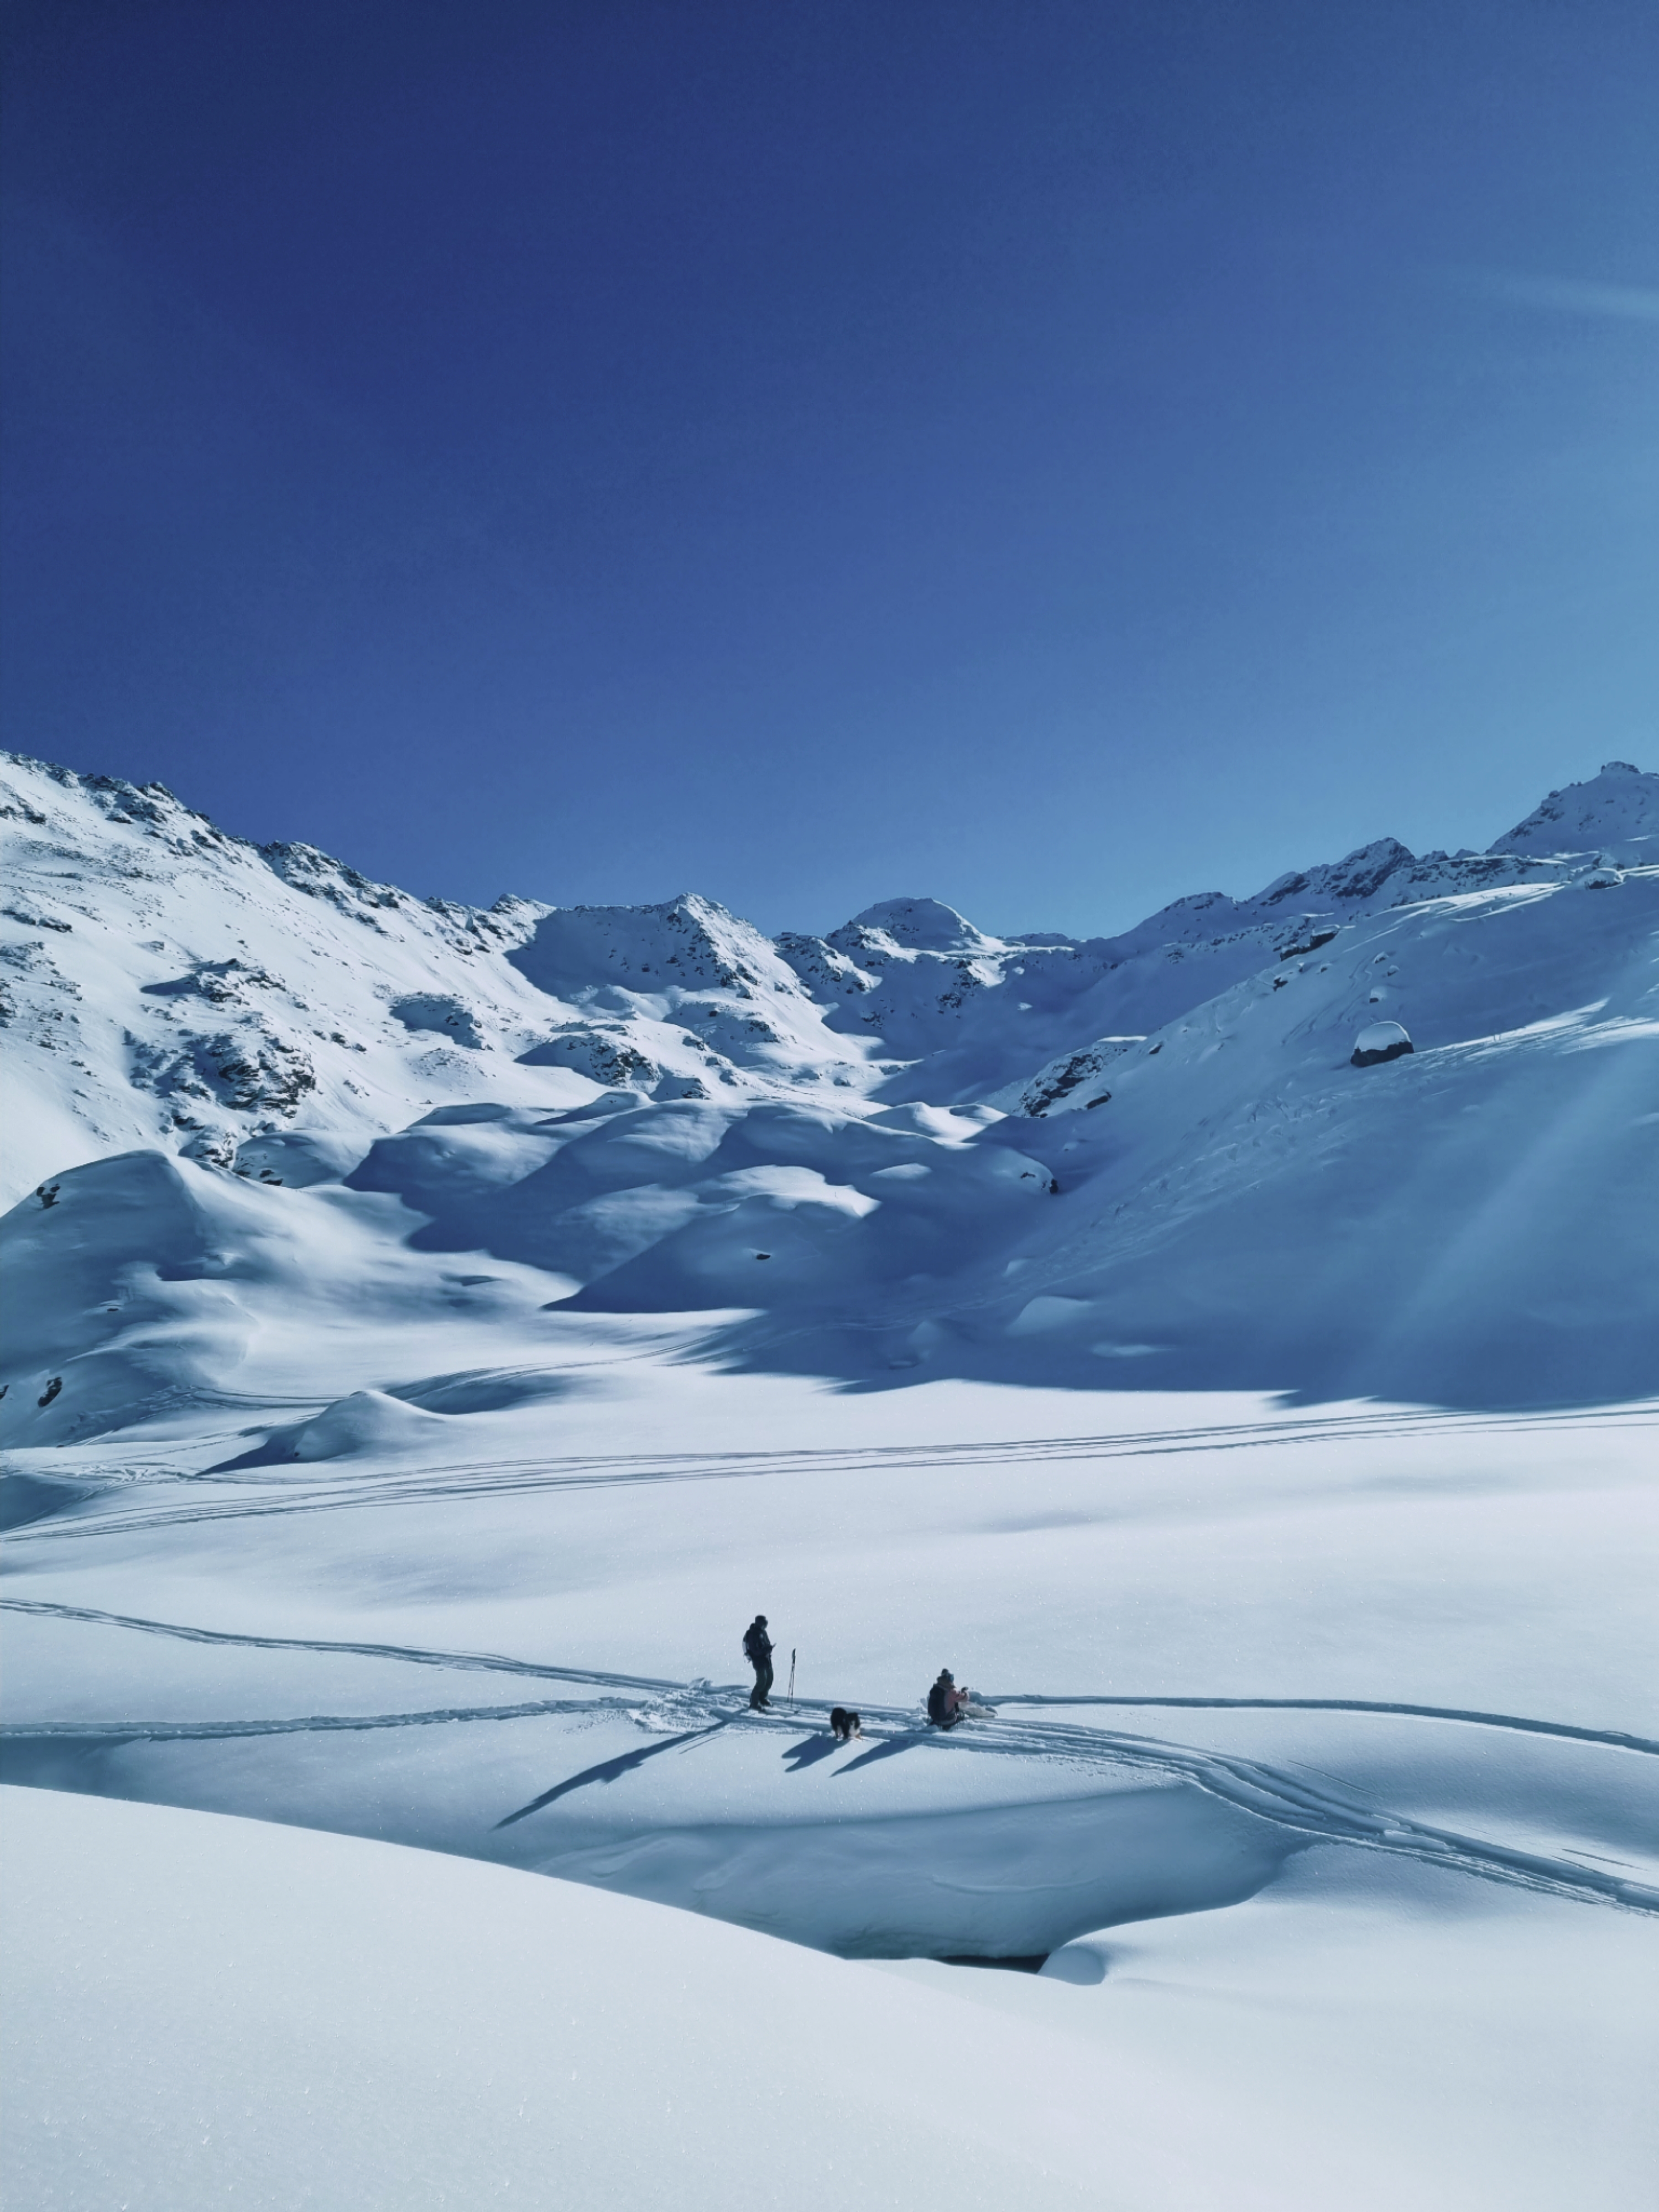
point(908, 1145)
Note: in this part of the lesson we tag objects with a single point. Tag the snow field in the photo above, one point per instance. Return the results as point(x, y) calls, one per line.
point(503, 1661)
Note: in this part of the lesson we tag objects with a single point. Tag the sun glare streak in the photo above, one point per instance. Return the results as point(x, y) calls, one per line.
point(1573, 295)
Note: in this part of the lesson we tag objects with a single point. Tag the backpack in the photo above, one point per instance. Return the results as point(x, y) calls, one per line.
point(936, 1698)
point(756, 1645)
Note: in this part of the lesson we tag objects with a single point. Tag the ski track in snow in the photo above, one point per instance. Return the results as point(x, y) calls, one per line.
point(482, 1661)
point(492, 1663)
point(473, 1477)
point(1254, 1786)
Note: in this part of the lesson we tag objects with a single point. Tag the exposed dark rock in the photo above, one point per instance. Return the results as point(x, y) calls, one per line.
point(449, 1017)
point(602, 1056)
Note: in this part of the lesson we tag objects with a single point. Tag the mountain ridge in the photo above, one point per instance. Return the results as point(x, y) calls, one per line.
point(627, 1107)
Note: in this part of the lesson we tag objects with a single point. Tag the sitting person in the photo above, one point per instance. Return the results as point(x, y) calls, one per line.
point(945, 1703)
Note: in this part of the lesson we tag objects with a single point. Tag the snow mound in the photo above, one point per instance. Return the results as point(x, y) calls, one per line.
point(431, 1010)
point(366, 1423)
point(110, 1297)
point(605, 1054)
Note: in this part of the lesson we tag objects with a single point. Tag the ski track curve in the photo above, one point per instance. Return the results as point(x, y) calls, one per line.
point(411, 1655)
point(497, 1663)
point(1320, 1813)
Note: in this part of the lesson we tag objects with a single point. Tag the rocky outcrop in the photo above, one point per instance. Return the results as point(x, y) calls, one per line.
point(448, 1016)
point(606, 1056)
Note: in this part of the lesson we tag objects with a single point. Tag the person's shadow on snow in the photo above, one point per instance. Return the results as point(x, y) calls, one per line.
point(889, 1749)
point(611, 1769)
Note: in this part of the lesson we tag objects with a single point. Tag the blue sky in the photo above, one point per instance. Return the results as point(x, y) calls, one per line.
point(1049, 456)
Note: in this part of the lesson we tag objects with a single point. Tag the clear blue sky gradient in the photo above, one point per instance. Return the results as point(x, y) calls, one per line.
point(1051, 457)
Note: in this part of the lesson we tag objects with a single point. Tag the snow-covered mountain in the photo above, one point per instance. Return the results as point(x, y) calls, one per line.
point(907, 1144)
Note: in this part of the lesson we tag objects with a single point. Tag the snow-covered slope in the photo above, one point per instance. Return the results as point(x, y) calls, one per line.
point(205, 2011)
point(907, 1143)
point(168, 986)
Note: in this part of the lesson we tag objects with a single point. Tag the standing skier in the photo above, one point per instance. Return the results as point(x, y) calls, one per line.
point(757, 1650)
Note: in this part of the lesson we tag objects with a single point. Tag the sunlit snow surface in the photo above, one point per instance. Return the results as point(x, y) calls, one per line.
point(208, 2012)
point(402, 1437)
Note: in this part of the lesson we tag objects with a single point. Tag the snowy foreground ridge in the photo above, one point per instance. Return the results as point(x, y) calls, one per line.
point(431, 1334)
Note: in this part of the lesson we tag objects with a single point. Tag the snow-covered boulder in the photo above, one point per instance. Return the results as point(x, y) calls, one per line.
point(1377, 1042)
point(1071, 1081)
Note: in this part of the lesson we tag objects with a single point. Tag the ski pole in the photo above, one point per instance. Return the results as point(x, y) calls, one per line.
point(792, 1678)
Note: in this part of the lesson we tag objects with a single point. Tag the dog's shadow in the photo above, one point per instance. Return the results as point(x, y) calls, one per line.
point(808, 1751)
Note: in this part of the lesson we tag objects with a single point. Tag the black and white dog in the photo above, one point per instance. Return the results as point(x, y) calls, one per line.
point(843, 1725)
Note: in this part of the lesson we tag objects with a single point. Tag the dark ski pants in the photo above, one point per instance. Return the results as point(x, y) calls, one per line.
point(763, 1689)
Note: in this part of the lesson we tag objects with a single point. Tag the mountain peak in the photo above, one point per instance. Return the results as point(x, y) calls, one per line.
point(1616, 812)
point(919, 924)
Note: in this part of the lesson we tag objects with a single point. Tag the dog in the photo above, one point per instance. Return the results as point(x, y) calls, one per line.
point(843, 1725)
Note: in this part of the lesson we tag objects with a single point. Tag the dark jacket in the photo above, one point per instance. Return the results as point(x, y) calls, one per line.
point(756, 1643)
point(942, 1703)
